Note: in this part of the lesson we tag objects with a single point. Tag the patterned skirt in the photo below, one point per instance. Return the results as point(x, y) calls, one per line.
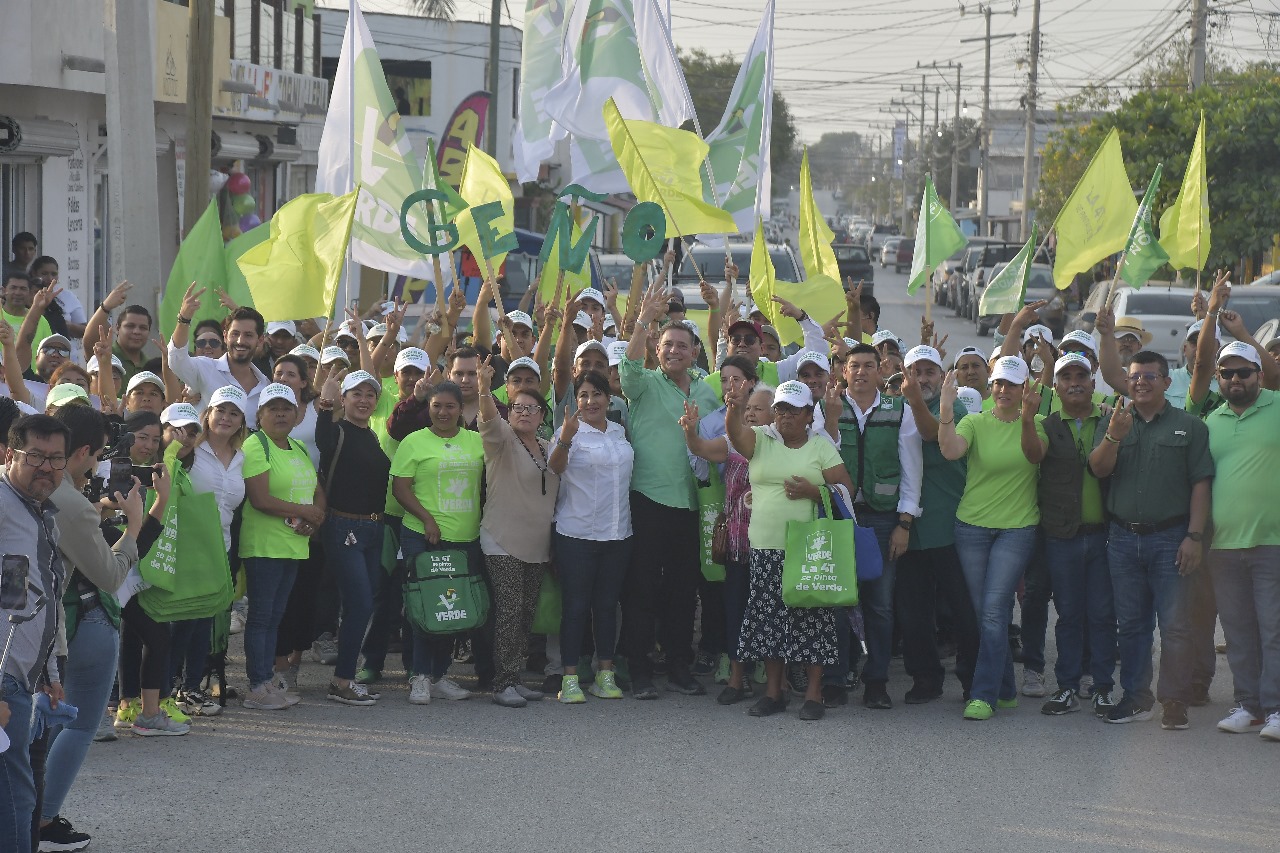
point(772, 630)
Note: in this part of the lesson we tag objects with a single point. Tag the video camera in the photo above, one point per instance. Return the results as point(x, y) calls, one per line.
point(122, 469)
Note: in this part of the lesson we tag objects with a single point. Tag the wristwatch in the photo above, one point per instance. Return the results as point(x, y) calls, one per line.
point(1195, 537)
point(905, 524)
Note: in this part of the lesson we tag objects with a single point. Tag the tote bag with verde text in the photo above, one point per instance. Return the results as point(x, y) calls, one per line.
point(820, 569)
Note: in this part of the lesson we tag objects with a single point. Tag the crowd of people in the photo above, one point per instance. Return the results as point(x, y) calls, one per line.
point(626, 480)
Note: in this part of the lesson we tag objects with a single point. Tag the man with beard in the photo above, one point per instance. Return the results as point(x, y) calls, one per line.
point(930, 569)
point(1075, 537)
point(242, 330)
point(35, 461)
point(1244, 559)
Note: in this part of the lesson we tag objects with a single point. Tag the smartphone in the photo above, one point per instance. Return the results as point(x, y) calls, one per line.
point(293, 522)
point(120, 480)
point(13, 582)
point(145, 474)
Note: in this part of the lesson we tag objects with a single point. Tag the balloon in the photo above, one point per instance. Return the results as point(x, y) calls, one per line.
point(249, 221)
point(239, 184)
point(244, 204)
point(230, 232)
point(217, 180)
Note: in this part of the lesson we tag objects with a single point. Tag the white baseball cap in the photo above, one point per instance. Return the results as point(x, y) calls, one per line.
point(360, 377)
point(922, 353)
point(1072, 358)
point(693, 327)
point(527, 363)
point(232, 394)
point(413, 357)
point(1239, 349)
point(143, 377)
point(380, 331)
point(60, 395)
point(282, 326)
point(813, 357)
point(180, 415)
point(519, 318)
point(793, 393)
point(970, 399)
point(617, 352)
point(1081, 337)
point(592, 294)
point(1193, 329)
point(306, 351)
point(344, 333)
point(55, 339)
point(589, 345)
point(1010, 368)
point(968, 351)
point(333, 353)
point(885, 336)
point(91, 367)
point(1038, 330)
point(277, 391)
point(851, 343)
point(583, 319)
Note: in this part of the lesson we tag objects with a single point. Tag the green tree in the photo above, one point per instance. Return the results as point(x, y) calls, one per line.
point(1158, 123)
point(435, 8)
point(710, 81)
point(940, 151)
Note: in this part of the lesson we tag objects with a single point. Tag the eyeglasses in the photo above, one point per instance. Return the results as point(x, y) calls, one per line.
point(38, 460)
point(744, 340)
point(525, 408)
point(208, 343)
point(1146, 377)
point(1229, 373)
point(65, 353)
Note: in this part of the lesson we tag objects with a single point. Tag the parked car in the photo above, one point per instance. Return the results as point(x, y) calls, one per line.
point(903, 255)
point(942, 277)
point(877, 236)
point(1039, 287)
point(855, 264)
point(979, 258)
point(711, 262)
point(889, 250)
point(1272, 277)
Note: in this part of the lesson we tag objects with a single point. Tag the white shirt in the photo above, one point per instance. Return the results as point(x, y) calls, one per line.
point(305, 432)
point(910, 455)
point(595, 489)
point(206, 375)
point(226, 483)
point(72, 310)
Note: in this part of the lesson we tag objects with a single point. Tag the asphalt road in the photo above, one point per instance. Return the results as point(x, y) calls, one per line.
point(681, 773)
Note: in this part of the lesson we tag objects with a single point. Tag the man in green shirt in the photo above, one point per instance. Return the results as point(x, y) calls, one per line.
point(662, 583)
point(930, 569)
point(17, 301)
point(1244, 559)
point(133, 330)
point(1159, 472)
point(1075, 537)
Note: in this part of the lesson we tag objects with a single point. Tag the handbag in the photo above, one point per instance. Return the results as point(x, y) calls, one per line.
point(866, 547)
point(710, 511)
point(819, 566)
point(547, 612)
point(720, 540)
point(444, 597)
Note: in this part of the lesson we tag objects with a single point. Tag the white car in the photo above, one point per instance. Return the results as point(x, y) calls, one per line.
point(1165, 312)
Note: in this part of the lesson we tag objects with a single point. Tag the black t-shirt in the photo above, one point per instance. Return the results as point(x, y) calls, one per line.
point(359, 482)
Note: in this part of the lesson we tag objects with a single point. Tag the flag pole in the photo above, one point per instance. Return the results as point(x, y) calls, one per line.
point(349, 49)
point(928, 295)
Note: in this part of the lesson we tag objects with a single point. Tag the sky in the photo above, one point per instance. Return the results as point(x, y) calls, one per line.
point(840, 63)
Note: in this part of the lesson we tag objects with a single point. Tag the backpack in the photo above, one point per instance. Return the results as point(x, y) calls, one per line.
point(444, 597)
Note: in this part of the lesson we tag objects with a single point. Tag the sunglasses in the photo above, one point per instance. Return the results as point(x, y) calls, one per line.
point(208, 343)
point(65, 353)
point(1229, 373)
point(745, 340)
point(1145, 377)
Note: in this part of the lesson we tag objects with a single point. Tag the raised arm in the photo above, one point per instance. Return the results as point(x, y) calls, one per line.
point(1033, 447)
point(40, 302)
point(926, 423)
point(742, 436)
point(542, 350)
point(563, 368)
point(952, 445)
point(101, 318)
point(1113, 372)
point(12, 366)
point(481, 322)
point(484, 380)
point(1102, 461)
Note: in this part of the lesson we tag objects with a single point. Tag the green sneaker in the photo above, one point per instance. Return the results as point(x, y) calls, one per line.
point(978, 710)
point(604, 686)
point(368, 676)
point(570, 692)
point(170, 707)
point(760, 676)
point(722, 670)
point(586, 674)
point(1007, 703)
point(127, 712)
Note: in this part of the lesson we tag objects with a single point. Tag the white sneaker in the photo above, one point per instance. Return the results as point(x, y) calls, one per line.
point(419, 690)
point(286, 680)
point(1239, 722)
point(1032, 684)
point(1271, 731)
point(290, 699)
point(325, 649)
point(447, 688)
point(264, 699)
point(239, 615)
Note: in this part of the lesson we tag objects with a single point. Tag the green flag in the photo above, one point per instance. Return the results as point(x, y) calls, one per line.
point(1184, 227)
point(200, 260)
point(1143, 254)
point(1008, 288)
point(938, 237)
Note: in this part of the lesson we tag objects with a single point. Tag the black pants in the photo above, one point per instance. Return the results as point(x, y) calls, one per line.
point(1037, 592)
point(661, 585)
point(388, 613)
point(711, 623)
point(927, 578)
point(144, 652)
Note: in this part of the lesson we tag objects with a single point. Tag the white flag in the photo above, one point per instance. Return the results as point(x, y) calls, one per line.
point(540, 56)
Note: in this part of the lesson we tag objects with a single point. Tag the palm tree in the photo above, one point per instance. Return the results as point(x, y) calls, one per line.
point(444, 9)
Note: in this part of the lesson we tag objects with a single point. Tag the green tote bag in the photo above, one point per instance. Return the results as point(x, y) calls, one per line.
point(819, 569)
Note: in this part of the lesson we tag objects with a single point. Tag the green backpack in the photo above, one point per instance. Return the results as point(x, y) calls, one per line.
point(444, 597)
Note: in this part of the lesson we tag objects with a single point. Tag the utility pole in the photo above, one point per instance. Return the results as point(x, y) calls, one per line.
point(495, 51)
point(952, 201)
point(1199, 39)
point(984, 168)
point(199, 112)
point(1029, 145)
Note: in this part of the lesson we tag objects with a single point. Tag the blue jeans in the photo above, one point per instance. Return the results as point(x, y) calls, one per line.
point(1082, 596)
point(993, 561)
point(17, 784)
point(591, 574)
point(89, 675)
point(433, 653)
point(877, 612)
point(388, 611)
point(269, 581)
point(188, 649)
point(1147, 586)
point(357, 569)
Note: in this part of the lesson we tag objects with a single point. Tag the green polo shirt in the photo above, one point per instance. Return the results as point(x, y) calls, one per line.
point(1211, 403)
point(1246, 451)
point(656, 404)
point(131, 368)
point(42, 331)
point(1090, 489)
point(1157, 464)
point(940, 493)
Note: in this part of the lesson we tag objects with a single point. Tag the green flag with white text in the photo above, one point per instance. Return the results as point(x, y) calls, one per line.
point(938, 237)
point(1008, 288)
point(1143, 254)
point(199, 260)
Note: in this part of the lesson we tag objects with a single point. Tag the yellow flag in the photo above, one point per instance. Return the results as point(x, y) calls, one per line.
point(662, 165)
point(764, 286)
point(816, 237)
point(1184, 227)
point(294, 272)
point(1097, 217)
point(483, 183)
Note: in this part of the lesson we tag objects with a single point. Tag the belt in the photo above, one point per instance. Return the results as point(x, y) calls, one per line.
point(1091, 528)
point(1143, 528)
point(369, 516)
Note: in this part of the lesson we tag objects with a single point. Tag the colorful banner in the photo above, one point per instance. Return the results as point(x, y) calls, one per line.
point(465, 128)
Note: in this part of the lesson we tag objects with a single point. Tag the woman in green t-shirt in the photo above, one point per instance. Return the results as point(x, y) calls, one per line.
point(789, 466)
point(997, 516)
point(285, 507)
point(436, 474)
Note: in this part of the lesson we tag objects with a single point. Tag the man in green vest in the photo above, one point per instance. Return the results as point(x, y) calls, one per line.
point(930, 571)
point(881, 449)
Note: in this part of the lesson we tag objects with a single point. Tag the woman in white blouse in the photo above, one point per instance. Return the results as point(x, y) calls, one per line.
point(215, 464)
point(593, 531)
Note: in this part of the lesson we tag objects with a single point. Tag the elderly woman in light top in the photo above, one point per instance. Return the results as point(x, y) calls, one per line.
point(515, 530)
point(789, 466)
point(593, 531)
point(997, 516)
